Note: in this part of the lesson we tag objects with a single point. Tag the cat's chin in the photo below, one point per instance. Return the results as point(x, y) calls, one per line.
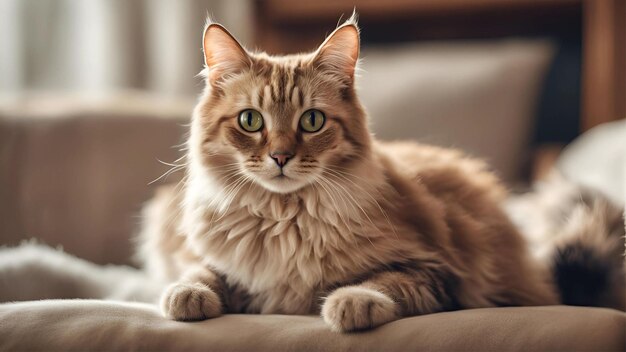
point(282, 184)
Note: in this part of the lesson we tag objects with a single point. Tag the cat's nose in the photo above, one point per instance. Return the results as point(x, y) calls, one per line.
point(281, 157)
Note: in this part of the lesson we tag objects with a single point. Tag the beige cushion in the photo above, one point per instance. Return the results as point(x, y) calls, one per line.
point(98, 325)
point(74, 172)
point(478, 96)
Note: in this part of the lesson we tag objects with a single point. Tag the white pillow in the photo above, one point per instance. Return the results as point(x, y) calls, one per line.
point(597, 159)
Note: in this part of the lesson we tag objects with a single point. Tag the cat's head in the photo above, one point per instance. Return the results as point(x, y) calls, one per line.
point(280, 121)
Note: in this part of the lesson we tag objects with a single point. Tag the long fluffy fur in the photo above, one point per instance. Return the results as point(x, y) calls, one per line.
point(579, 233)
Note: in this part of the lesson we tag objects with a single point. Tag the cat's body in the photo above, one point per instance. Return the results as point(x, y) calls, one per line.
point(423, 215)
point(290, 206)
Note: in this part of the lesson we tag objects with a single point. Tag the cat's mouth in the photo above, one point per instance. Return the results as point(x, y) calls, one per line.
point(282, 175)
point(281, 183)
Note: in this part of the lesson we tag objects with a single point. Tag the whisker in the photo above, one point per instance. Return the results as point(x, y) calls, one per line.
point(355, 202)
point(339, 212)
point(218, 198)
point(383, 212)
point(170, 164)
point(167, 173)
point(244, 180)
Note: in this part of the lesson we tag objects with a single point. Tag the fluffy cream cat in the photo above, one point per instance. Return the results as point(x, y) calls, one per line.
point(289, 205)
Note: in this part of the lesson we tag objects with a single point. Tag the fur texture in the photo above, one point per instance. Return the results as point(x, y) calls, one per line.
point(579, 233)
point(362, 231)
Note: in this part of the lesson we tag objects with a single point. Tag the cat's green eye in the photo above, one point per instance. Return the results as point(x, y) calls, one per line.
point(312, 120)
point(251, 120)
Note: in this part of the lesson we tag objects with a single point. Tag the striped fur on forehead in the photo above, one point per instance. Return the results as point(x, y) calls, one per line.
point(282, 80)
point(292, 80)
point(285, 87)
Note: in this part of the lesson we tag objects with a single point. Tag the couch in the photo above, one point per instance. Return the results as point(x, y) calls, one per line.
point(74, 175)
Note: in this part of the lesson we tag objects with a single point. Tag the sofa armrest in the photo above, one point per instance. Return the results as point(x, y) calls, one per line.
point(74, 172)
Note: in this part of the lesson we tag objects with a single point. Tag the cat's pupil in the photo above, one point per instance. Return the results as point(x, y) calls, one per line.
point(312, 118)
point(249, 119)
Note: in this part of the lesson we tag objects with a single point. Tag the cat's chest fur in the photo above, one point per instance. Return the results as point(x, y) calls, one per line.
point(286, 250)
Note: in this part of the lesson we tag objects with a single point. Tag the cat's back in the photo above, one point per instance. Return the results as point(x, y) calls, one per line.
point(443, 171)
point(479, 236)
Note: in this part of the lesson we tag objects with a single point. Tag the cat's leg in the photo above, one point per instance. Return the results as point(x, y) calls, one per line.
point(385, 297)
point(198, 295)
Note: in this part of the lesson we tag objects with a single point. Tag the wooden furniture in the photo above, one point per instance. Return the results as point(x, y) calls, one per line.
point(291, 26)
point(604, 61)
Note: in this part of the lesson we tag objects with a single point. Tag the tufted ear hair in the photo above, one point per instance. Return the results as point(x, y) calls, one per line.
point(340, 51)
point(223, 55)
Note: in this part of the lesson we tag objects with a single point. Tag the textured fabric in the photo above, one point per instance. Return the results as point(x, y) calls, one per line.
point(99, 325)
point(76, 173)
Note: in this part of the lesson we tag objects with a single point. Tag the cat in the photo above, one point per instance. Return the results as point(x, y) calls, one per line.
point(289, 205)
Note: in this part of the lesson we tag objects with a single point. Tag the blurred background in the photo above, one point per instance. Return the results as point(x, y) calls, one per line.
point(93, 93)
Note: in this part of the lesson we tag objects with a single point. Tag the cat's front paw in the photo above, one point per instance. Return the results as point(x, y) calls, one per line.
point(357, 308)
point(185, 301)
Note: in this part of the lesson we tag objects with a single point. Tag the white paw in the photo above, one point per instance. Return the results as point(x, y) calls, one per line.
point(183, 301)
point(357, 308)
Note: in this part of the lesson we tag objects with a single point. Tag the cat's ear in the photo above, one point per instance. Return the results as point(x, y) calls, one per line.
point(340, 51)
point(223, 55)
